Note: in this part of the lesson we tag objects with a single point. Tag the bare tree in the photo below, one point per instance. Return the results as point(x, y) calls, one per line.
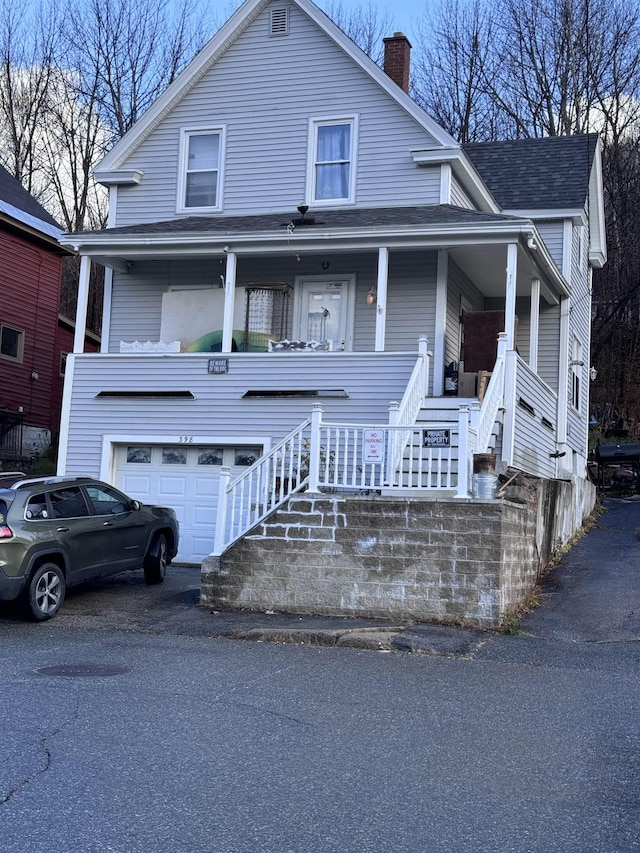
point(126, 52)
point(28, 49)
point(364, 24)
point(456, 57)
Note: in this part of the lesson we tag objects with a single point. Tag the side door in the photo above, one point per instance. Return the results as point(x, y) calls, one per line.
point(77, 532)
point(124, 528)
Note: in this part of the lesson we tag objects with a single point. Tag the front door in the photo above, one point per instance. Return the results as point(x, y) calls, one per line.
point(324, 312)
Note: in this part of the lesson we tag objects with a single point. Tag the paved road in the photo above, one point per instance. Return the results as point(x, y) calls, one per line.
point(197, 743)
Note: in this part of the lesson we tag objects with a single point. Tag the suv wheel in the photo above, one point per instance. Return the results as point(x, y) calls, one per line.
point(155, 563)
point(45, 592)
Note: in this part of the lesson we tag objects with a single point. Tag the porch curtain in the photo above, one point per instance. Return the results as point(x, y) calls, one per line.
point(332, 167)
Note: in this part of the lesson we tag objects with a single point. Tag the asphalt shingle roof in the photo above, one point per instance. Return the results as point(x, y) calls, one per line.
point(373, 217)
point(12, 192)
point(536, 174)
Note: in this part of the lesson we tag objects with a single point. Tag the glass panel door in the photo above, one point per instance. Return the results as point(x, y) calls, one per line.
point(325, 314)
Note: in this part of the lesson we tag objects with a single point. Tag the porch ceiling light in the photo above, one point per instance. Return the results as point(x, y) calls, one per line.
point(372, 296)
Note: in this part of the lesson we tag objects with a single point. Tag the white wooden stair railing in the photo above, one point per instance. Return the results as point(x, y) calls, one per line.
point(263, 487)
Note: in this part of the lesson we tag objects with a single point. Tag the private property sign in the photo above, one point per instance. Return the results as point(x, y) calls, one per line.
point(373, 446)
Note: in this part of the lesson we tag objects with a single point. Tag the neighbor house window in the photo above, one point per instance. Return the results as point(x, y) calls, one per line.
point(200, 184)
point(11, 343)
point(332, 147)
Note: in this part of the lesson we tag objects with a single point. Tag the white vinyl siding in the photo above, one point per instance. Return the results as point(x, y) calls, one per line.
point(580, 318)
point(459, 198)
point(218, 406)
point(303, 76)
point(459, 287)
point(535, 422)
point(552, 234)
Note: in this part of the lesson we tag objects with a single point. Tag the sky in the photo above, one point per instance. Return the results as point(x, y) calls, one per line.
point(404, 14)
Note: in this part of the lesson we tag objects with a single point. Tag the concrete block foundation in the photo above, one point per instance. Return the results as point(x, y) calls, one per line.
point(401, 558)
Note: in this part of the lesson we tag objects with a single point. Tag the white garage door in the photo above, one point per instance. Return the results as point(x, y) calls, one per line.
point(185, 478)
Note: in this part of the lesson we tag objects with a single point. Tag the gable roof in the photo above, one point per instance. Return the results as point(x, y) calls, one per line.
point(536, 174)
point(19, 205)
point(207, 57)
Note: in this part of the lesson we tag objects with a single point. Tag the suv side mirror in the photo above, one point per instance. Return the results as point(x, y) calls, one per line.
point(136, 504)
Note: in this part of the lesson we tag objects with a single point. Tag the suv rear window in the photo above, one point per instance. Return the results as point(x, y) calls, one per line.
point(36, 508)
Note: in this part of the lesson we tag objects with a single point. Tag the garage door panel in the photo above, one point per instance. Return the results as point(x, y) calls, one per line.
point(191, 489)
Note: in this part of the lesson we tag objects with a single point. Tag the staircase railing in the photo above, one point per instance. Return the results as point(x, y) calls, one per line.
point(407, 411)
point(263, 487)
point(493, 399)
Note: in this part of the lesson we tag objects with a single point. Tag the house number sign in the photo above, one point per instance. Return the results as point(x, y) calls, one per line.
point(372, 447)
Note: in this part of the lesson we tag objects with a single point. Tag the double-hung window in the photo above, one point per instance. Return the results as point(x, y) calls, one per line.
point(332, 157)
point(200, 180)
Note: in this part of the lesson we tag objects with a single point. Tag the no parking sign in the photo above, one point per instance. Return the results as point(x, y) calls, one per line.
point(373, 446)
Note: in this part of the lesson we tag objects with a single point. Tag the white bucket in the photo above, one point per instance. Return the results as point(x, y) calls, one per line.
point(484, 486)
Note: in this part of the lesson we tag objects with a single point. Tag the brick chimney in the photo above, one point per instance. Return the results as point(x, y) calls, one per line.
point(397, 52)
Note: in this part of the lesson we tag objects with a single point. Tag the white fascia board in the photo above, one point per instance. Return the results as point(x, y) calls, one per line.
point(121, 177)
point(598, 249)
point(130, 246)
point(212, 51)
point(577, 215)
point(464, 171)
point(31, 221)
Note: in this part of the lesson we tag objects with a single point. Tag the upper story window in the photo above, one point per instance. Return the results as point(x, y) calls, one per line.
point(332, 155)
point(200, 179)
point(11, 343)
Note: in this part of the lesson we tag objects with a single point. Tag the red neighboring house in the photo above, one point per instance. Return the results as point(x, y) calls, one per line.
point(30, 274)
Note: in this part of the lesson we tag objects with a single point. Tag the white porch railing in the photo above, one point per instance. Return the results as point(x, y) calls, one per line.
point(263, 487)
point(404, 454)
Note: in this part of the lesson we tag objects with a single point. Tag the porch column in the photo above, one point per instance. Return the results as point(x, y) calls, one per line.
point(534, 330)
point(229, 300)
point(510, 295)
point(439, 340)
point(83, 301)
point(381, 301)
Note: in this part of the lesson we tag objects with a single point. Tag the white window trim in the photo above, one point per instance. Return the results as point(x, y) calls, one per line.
point(19, 359)
point(314, 124)
point(185, 134)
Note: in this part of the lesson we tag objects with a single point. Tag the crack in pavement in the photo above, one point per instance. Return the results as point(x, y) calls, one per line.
point(42, 745)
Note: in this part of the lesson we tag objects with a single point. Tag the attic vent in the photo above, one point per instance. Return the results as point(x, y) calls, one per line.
point(280, 21)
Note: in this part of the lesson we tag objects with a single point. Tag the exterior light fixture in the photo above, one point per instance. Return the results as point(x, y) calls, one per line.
point(372, 296)
point(593, 373)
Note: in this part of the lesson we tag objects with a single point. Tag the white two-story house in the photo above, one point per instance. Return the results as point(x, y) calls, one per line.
point(294, 244)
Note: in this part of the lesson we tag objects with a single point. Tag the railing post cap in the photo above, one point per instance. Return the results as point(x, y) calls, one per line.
point(394, 404)
point(316, 407)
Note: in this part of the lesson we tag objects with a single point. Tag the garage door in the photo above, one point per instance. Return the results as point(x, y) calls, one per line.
point(185, 478)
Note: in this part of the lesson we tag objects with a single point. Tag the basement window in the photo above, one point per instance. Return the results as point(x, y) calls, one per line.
point(547, 424)
point(296, 392)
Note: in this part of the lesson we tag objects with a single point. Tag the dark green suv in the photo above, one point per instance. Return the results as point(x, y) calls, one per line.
point(59, 531)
